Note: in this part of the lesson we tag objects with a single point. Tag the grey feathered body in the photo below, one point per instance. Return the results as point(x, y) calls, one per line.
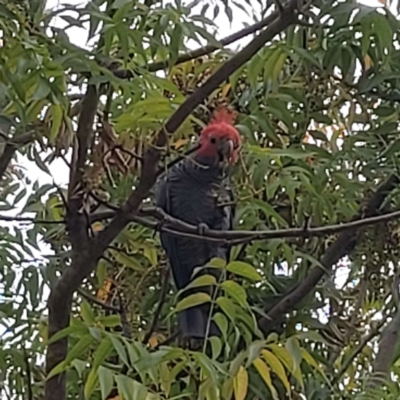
point(196, 195)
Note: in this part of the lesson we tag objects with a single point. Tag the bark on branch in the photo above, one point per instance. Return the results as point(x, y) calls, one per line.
point(82, 261)
point(344, 244)
point(167, 223)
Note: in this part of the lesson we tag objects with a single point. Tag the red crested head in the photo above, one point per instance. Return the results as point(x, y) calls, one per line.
point(220, 139)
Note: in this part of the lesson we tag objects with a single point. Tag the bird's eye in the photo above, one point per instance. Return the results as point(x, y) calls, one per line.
point(213, 140)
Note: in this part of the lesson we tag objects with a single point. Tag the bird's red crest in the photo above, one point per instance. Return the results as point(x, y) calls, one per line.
point(220, 126)
point(224, 115)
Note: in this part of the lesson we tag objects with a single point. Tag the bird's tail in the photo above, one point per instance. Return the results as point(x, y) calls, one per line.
point(193, 323)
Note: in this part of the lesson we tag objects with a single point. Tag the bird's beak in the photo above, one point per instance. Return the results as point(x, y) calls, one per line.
point(226, 150)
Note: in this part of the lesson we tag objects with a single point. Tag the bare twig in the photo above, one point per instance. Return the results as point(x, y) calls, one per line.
point(32, 220)
point(168, 340)
point(161, 301)
point(126, 328)
point(95, 300)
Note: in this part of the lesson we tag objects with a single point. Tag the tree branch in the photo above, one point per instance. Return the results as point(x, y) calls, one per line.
point(95, 300)
point(32, 220)
point(167, 223)
point(82, 260)
point(161, 301)
point(153, 154)
point(343, 245)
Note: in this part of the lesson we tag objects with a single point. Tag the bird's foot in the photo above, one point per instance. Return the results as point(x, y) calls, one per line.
point(202, 229)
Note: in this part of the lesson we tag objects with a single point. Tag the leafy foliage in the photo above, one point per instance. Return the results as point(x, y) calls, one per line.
point(318, 108)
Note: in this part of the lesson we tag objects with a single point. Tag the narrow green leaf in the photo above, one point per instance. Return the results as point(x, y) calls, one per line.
point(243, 269)
point(263, 370)
point(110, 321)
point(102, 352)
point(293, 347)
point(216, 346)
point(228, 307)
point(203, 280)
point(192, 301)
point(91, 383)
point(56, 117)
point(106, 380)
point(87, 312)
point(119, 348)
point(236, 292)
point(130, 389)
point(277, 368)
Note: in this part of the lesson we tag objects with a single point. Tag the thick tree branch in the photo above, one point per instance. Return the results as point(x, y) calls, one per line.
point(344, 244)
point(167, 223)
point(82, 260)
point(153, 154)
point(202, 51)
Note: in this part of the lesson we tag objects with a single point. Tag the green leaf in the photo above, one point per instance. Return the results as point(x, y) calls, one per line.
point(308, 56)
point(277, 368)
point(236, 292)
point(203, 280)
point(240, 384)
point(87, 312)
point(130, 389)
point(244, 269)
point(78, 350)
point(263, 370)
point(110, 321)
point(42, 90)
point(91, 383)
point(120, 349)
point(102, 352)
point(216, 346)
point(106, 380)
point(228, 307)
point(307, 357)
point(56, 117)
point(82, 330)
point(221, 321)
point(192, 300)
point(293, 347)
